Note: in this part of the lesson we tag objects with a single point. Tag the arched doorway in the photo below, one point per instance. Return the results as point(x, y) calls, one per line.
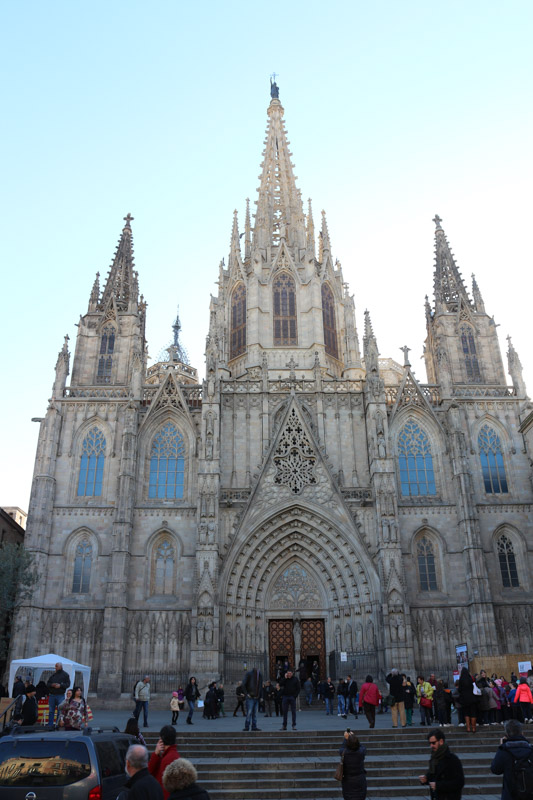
point(297, 563)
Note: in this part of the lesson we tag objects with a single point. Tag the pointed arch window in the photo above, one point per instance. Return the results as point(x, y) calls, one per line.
point(82, 567)
point(507, 560)
point(427, 573)
point(105, 360)
point(492, 466)
point(468, 344)
point(163, 560)
point(92, 464)
point(167, 464)
point(328, 319)
point(285, 324)
point(417, 477)
point(238, 321)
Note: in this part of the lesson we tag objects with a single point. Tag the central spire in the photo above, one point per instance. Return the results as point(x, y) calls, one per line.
point(449, 285)
point(279, 205)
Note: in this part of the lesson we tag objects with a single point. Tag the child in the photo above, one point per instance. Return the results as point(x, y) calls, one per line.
point(174, 707)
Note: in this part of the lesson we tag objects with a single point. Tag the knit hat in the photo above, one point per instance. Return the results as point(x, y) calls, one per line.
point(174, 694)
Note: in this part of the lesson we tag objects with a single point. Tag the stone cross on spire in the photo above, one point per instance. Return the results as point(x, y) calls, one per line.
point(437, 220)
point(405, 350)
point(128, 219)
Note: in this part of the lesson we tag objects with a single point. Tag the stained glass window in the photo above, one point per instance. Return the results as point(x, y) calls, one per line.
point(82, 567)
point(105, 361)
point(473, 375)
point(492, 466)
point(163, 568)
point(426, 565)
point(92, 464)
point(328, 319)
point(167, 464)
point(238, 321)
point(507, 562)
point(417, 477)
point(285, 325)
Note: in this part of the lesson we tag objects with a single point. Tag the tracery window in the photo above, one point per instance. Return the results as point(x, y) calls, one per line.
point(328, 319)
point(163, 568)
point(492, 466)
point(167, 464)
point(417, 477)
point(427, 574)
point(285, 325)
point(105, 361)
point(468, 344)
point(507, 560)
point(92, 464)
point(238, 321)
point(82, 567)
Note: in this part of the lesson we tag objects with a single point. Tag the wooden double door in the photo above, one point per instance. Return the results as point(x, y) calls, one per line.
point(281, 644)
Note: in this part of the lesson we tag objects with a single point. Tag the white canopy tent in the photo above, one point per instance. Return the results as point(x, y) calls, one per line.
point(48, 662)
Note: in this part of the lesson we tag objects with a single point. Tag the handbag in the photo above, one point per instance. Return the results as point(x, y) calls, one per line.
point(390, 700)
point(425, 702)
point(476, 690)
point(339, 772)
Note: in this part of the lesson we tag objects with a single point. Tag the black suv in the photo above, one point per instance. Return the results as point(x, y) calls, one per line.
point(63, 765)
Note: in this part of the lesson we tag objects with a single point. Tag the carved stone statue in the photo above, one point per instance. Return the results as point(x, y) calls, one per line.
point(200, 631)
point(274, 89)
point(297, 635)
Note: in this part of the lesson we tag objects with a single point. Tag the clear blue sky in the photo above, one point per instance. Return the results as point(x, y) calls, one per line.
point(395, 111)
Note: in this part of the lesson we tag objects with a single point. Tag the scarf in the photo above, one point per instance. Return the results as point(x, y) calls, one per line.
point(436, 757)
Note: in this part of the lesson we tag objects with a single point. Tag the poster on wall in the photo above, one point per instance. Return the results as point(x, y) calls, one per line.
point(523, 668)
point(461, 655)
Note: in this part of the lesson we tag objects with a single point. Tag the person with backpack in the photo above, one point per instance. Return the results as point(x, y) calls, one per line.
point(514, 760)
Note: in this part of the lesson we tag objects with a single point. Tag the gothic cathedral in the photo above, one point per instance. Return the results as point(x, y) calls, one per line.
point(307, 499)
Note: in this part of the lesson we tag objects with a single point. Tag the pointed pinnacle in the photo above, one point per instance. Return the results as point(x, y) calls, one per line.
point(369, 331)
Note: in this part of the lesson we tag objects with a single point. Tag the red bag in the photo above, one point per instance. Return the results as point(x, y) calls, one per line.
point(426, 702)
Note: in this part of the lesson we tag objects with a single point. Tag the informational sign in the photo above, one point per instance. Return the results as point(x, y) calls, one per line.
point(461, 654)
point(344, 656)
point(523, 667)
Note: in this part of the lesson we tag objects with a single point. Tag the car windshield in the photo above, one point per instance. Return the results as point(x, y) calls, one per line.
point(43, 763)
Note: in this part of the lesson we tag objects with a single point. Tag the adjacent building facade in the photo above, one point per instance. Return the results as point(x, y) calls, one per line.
point(308, 498)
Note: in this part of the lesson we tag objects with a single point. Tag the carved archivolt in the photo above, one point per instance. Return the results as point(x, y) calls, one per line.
point(298, 536)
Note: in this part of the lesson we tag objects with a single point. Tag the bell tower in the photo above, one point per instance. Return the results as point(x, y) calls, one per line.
point(462, 345)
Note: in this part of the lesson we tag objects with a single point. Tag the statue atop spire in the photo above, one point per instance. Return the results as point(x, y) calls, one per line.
point(274, 89)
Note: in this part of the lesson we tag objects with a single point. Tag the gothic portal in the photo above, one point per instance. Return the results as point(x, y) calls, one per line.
point(305, 500)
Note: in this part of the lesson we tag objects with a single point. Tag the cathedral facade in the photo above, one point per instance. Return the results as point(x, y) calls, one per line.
point(308, 499)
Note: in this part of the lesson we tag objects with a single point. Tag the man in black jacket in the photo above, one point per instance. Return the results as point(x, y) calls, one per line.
point(445, 775)
point(141, 785)
point(240, 694)
point(58, 684)
point(397, 690)
point(513, 747)
point(352, 696)
point(253, 686)
point(27, 713)
point(289, 692)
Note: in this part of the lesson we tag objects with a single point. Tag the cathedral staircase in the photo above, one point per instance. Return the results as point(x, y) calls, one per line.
point(290, 765)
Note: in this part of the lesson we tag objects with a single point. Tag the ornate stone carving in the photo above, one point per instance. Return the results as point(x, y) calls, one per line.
point(295, 588)
point(295, 459)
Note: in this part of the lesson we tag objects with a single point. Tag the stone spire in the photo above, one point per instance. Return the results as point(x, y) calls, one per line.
point(448, 283)
point(247, 231)
point(235, 244)
point(95, 294)
point(370, 344)
point(310, 231)
point(515, 369)
point(324, 233)
point(62, 369)
point(476, 294)
point(122, 280)
point(279, 205)
point(370, 349)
